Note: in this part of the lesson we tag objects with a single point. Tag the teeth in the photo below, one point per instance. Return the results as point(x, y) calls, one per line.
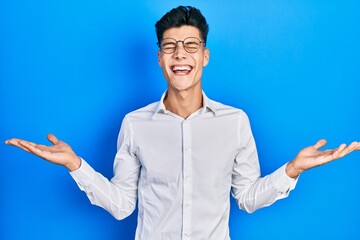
point(181, 68)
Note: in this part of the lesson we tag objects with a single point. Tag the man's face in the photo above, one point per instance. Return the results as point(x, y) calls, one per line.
point(183, 70)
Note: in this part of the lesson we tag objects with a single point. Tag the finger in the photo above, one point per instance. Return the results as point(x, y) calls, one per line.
point(33, 148)
point(16, 143)
point(340, 151)
point(27, 145)
point(12, 141)
point(51, 137)
point(357, 146)
point(344, 151)
point(319, 144)
point(353, 146)
point(39, 146)
point(30, 145)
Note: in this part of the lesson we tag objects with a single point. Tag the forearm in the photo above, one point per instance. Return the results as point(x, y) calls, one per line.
point(118, 201)
point(264, 191)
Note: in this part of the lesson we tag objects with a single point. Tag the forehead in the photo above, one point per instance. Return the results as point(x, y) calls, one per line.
point(182, 32)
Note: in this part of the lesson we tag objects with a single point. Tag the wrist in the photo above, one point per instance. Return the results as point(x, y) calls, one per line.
point(74, 164)
point(291, 170)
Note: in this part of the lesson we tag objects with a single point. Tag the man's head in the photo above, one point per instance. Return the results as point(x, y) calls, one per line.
point(182, 16)
point(182, 34)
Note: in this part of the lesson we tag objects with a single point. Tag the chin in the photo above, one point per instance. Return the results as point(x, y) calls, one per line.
point(183, 86)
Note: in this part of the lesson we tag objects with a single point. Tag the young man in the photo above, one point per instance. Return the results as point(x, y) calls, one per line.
point(180, 157)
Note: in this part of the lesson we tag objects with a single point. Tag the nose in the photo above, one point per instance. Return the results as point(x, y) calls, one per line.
point(180, 50)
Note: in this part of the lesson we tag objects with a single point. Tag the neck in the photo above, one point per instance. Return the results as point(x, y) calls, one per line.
point(183, 103)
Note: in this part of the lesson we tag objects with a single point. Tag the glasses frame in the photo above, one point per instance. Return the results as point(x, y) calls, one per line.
point(177, 44)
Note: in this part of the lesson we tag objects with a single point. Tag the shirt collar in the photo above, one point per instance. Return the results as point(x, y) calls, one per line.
point(208, 105)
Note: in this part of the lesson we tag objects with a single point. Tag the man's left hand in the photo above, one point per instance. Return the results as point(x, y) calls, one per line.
point(311, 157)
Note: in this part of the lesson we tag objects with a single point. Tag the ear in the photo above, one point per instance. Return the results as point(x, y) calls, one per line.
point(206, 57)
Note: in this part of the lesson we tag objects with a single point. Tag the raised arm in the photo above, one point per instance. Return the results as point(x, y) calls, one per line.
point(252, 191)
point(59, 153)
point(311, 157)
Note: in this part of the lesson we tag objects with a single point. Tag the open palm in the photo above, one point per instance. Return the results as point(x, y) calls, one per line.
point(311, 156)
point(59, 153)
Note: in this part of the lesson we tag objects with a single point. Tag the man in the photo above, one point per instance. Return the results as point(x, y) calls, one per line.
point(180, 157)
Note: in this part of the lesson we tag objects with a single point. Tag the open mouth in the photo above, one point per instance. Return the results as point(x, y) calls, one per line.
point(181, 69)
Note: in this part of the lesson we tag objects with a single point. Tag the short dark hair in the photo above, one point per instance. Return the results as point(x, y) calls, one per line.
point(182, 16)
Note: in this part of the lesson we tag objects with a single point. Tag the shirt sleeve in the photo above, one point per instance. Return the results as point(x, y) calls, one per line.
point(250, 190)
point(118, 195)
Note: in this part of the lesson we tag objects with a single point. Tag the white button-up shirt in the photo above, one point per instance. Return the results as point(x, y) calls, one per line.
point(182, 171)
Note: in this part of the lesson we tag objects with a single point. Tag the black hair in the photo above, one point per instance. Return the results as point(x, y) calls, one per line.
point(181, 16)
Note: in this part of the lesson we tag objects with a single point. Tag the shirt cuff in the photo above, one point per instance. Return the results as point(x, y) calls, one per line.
point(281, 181)
point(84, 175)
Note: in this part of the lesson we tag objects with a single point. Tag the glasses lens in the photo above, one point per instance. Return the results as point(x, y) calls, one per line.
point(192, 45)
point(168, 45)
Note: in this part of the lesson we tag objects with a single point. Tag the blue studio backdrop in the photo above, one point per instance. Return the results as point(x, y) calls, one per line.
point(75, 68)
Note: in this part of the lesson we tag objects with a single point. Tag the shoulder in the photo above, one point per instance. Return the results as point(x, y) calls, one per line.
point(138, 117)
point(144, 113)
point(222, 109)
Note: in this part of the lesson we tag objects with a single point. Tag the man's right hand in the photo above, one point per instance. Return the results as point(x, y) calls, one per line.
point(60, 153)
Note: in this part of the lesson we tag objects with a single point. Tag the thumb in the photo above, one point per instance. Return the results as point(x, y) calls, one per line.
point(51, 137)
point(320, 144)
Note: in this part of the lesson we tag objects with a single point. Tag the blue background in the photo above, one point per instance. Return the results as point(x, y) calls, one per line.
point(74, 68)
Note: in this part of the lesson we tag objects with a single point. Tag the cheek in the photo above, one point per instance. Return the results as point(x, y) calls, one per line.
point(166, 71)
point(163, 60)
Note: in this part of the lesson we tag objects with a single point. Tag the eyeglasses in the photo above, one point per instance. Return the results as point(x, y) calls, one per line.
point(190, 44)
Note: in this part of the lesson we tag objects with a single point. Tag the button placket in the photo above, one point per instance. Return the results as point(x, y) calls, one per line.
point(187, 181)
